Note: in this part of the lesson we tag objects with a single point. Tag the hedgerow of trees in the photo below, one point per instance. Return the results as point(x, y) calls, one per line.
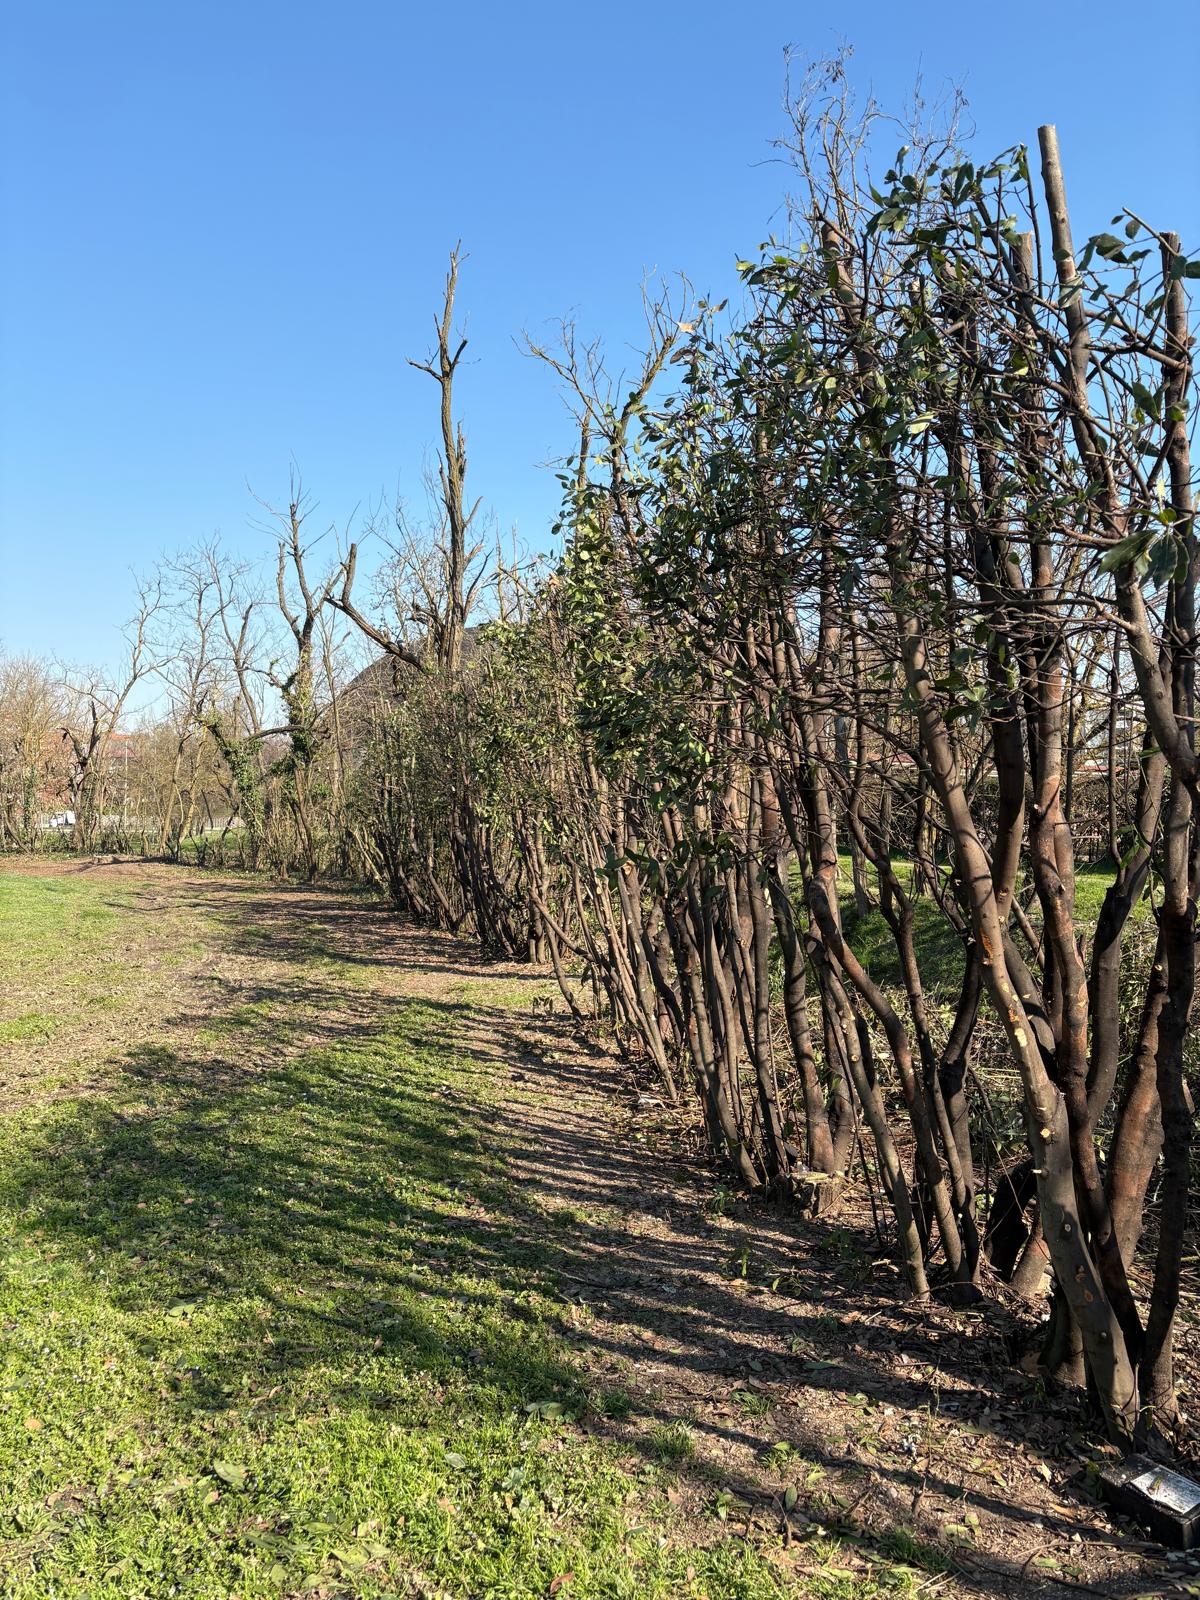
point(875, 613)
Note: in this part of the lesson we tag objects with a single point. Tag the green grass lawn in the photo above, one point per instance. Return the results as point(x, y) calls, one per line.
point(53, 926)
point(939, 950)
point(274, 1322)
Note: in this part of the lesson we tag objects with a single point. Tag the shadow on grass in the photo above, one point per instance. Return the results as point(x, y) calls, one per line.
point(336, 1219)
point(338, 1204)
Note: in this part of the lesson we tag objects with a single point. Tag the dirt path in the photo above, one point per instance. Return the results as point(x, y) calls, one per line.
point(770, 1361)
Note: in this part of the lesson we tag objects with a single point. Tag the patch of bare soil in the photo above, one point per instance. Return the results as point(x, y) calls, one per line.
point(116, 868)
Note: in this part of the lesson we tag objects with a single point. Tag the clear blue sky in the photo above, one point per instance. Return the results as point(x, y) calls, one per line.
point(224, 227)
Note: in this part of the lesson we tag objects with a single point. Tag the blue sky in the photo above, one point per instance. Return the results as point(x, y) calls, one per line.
point(224, 228)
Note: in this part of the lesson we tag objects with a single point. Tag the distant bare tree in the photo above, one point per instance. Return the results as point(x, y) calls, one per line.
point(301, 602)
point(188, 676)
point(97, 702)
point(31, 767)
point(437, 582)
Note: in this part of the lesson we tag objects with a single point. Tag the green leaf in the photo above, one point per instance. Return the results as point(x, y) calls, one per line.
point(1124, 551)
point(1109, 246)
point(349, 1557)
point(1164, 562)
point(550, 1409)
point(229, 1472)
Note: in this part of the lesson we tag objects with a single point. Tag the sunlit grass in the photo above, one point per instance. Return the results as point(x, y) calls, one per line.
point(938, 948)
